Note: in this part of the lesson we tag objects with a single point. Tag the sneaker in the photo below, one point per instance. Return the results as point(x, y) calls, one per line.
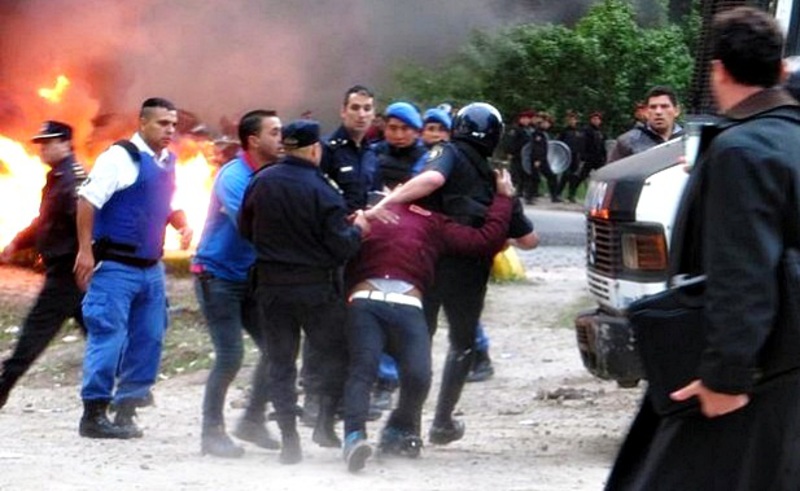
point(256, 433)
point(356, 451)
point(446, 433)
point(395, 441)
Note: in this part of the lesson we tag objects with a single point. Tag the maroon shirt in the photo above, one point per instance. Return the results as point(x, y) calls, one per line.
point(408, 250)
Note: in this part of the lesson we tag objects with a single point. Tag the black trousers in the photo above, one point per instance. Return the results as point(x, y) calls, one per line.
point(460, 288)
point(59, 299)
point(373, 328)
point(286, 311)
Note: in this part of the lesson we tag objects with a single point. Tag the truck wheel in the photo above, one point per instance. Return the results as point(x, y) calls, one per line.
point(627, 384)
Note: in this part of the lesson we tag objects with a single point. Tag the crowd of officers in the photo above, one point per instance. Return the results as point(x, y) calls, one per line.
point(352, 241)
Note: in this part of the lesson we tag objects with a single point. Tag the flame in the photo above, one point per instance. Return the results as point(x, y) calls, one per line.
point(22, 176)
point(55, 94)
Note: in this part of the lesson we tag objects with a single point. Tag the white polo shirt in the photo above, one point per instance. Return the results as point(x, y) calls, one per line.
point(114, 170)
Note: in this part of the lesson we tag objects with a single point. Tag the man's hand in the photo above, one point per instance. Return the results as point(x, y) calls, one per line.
point(360, 220)
point(84, 268)
point(503, 183)
point(379, 212)
point(712, 404)
point(186, 236)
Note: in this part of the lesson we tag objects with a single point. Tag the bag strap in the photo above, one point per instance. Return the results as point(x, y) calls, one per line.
point(132, 149)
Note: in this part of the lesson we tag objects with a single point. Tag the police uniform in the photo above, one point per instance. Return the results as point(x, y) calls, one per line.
point(297, 221)
point(460, 281)
point(54, 236)
point(352, 166)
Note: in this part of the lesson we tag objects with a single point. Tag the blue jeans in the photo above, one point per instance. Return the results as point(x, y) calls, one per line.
point(125, 313)
point(373, 328)
point(229, 310)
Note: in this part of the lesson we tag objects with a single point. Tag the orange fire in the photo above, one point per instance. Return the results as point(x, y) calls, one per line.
point(54, 95)
point(22, 173)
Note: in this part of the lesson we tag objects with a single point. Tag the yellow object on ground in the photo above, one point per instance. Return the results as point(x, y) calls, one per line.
point(507, 266)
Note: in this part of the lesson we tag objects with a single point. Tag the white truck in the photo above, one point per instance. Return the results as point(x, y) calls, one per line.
point(630, 210)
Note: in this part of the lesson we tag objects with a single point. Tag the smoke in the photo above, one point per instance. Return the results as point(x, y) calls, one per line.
point(220, 58)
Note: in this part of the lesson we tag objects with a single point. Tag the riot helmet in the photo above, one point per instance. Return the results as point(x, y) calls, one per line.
point(480, 124)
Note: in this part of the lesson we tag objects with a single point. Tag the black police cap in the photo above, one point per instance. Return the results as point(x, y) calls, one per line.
point(53, 129)
point(300, 133)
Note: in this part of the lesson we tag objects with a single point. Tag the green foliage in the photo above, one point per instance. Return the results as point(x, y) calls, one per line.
point(606, 62)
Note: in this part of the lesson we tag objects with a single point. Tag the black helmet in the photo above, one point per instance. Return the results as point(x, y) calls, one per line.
point(480, 124)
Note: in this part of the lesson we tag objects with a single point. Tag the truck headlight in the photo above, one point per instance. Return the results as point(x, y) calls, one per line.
point(644, 248)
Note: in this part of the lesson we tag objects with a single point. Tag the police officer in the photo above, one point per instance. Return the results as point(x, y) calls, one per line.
point(298, 222)
point(346, 156)
point(573, 137)
point(53, 234)
point(458, 181)
point(400, 154)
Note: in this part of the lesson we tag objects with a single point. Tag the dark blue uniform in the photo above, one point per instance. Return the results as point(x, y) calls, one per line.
point(460, 281)
point(351, 166)
point(54, 235)
point(297, 221)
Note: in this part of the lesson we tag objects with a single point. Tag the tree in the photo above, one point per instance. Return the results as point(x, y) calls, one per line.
point(606, 62)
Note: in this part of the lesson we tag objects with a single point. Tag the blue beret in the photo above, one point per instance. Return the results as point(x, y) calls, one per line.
point(53, 129)
point(406, 113)
point(436, 115)
point(300, 133)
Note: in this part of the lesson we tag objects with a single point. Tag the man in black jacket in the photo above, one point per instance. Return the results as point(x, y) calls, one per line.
point(53, 234)
point(298, 223)
point(738, 223)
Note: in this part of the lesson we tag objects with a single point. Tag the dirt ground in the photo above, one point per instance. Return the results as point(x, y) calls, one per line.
point(542, 423)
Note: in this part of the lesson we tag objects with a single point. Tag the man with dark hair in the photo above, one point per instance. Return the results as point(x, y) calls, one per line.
point(53, 235)
point(123, 208)
point(662, 111)
point(221, 267)
point(346, 155)
point(298, 223)
point(738, 229)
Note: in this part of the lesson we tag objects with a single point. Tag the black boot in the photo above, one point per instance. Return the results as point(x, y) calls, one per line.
point(214, 441)
point(95, 424)
point(324, 433)
point(482, 368)
point(5, 390)
point(445, 429)
point(126, 412)
point(257, 433)
point(291, 453)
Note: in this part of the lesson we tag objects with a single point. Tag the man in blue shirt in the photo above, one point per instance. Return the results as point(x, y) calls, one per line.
point(221, 268)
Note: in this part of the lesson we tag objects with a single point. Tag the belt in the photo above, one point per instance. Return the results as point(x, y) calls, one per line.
point(398, 298)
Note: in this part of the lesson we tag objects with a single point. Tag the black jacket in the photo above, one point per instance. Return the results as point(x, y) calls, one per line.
point(740, 212)
point(295, 217)
point(594, 147)
point(350, 165)
point(53, 232)
point(638, 139)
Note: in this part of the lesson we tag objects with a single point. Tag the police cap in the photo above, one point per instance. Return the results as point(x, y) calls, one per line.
point(53, 129)
point(300, 133)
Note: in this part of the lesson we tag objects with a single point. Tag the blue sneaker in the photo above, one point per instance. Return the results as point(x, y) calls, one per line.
point(356, 450)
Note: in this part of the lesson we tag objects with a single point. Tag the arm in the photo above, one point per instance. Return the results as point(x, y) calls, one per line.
point(179, 222)
point(415, 188)
point(84, 261)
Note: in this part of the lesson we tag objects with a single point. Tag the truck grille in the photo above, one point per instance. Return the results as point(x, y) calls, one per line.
point(603, 248)
point(598, 286)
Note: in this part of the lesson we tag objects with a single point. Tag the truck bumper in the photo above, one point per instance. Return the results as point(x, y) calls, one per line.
point(607, 347)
